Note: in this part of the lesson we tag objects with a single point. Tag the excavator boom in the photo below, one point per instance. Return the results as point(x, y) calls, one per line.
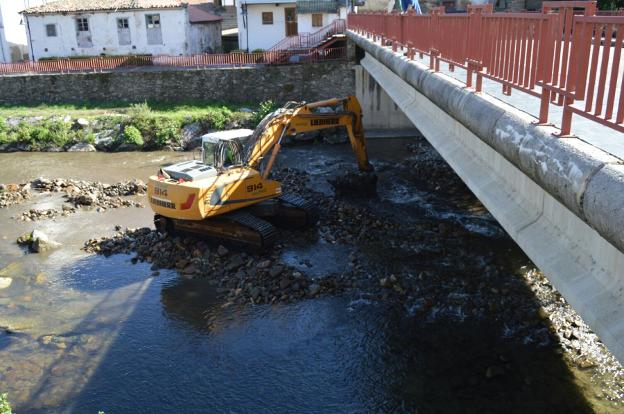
point(303, 119)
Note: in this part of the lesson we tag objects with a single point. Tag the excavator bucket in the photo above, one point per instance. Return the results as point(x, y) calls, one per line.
point(358, 184)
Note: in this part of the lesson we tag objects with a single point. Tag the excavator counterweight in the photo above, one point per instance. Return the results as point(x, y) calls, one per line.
point(228, 196)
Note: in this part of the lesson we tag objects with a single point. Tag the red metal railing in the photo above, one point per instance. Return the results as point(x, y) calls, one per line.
point(566, 55)
point(311, 40)
point(197, 61)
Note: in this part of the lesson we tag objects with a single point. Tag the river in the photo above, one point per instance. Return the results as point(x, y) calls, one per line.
point(85, 332)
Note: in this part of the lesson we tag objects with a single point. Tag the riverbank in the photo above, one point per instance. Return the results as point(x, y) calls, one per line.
point(412, 300)
point(120, 127)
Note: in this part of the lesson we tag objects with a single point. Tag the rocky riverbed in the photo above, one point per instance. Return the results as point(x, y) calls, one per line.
point(411, 296)
point(435, 269)
point(76, 193)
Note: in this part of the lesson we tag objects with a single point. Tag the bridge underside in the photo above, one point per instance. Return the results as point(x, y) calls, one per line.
point(582, 263)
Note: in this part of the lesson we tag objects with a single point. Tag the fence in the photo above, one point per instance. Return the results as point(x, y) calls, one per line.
point(310, 40)
point(566, 55)
point(197, 61)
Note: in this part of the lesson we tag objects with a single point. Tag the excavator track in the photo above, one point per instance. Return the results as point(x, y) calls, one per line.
point(238, 228)
point(297, 212)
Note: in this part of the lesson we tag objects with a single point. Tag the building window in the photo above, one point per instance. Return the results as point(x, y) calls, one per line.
point(317, 19)
point(123, 24)
point(267, 17)
point(51, 30)
point(153, 21)
point(82, 24)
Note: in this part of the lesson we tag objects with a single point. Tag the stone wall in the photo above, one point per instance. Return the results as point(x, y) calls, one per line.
point(279, 83)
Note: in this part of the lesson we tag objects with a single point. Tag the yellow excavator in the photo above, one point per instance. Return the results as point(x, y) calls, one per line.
point(227, 194)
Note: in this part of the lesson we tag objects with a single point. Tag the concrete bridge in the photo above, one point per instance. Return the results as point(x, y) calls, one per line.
point(560, 198)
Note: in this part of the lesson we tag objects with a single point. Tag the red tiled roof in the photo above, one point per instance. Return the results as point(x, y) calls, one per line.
point(198, 15)
point(68, 6)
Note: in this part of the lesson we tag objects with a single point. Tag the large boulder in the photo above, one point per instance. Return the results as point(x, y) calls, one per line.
point(105, 139)
point(38, 242)
point(191, 136)
point(81, 123)
point(82, 147)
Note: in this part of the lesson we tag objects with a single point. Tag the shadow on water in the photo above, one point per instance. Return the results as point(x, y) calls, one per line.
point(179, 350)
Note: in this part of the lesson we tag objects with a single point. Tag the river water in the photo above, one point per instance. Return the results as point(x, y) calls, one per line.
point(84, 333)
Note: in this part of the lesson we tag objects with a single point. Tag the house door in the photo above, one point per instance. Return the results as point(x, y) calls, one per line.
point(291, 21)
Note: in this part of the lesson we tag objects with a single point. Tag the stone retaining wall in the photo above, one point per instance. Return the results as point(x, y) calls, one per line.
point(279, 83)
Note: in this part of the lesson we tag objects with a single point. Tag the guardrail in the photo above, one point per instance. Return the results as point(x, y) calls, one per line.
point(110, 63)
point(566, 55)
point(310, 40)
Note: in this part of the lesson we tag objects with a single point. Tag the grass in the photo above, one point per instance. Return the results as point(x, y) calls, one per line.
point(151, 125)
point(96, 109)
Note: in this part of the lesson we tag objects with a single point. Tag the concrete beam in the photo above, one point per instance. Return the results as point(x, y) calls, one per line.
point(561, 200)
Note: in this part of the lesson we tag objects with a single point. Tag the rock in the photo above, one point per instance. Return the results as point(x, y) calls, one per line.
point(104, 140)
point(5, 282)
point(255, 292)
point(191, 136)
point(128, 147)
point(88, 199)
point(494, 371)
point(81, 123)
point(236, 262)
point(40, 278)
point(82, 147)
point(247, 110)
point(276, 271)
point(285, 282)
point(314, 289)
point(40, 242)
point(222, 251)
point(383, 282)
point(263, 264)
point(542, 313)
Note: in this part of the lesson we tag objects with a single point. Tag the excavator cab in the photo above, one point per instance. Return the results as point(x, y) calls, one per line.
point(223, 150)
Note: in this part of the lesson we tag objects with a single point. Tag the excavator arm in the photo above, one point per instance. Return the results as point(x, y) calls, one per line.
point(303, 118)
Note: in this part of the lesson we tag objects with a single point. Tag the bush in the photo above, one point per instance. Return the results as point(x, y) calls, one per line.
point(132, 135)
point(43, 135)
point(260, 50)
point(89, 138)
point(4, 132)
point(166, 131)
point(5, 407)
point(217, 117)
point(264, 109)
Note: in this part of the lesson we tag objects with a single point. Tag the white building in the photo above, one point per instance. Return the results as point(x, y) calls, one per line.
point(262, 24)
point(121, 27)
point(13, 39)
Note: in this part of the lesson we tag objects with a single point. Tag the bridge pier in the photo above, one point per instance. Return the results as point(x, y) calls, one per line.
point(561, 200)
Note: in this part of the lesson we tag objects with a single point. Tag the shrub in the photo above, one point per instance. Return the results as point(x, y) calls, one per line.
point(132, 135)
point(4, 132)
point(264, 109)
point(43, 135)
point(259, 50)
point(139, 110)
point(217, 117)
point(89, 138)
point(5, 407)
point(166, 131)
